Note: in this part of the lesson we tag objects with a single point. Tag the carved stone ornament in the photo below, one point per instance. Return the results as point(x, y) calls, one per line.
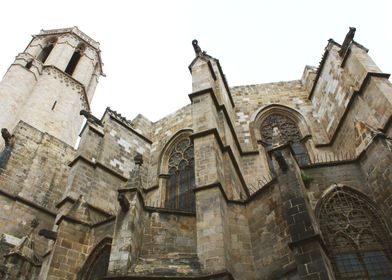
point(196, 47)
point(347, 41)
point(182, 154)
point(288, 130)
point(123, 201)
point(6, 136)
point(277, 137)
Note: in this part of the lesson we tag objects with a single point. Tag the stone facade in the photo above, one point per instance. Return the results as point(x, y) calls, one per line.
point(234, 185)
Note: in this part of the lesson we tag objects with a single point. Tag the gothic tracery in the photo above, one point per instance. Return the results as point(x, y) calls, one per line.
point(181, 176)
point(289, 132)
point(356, 237)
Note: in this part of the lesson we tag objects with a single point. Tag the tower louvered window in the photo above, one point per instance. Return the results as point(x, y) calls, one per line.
point(290, 133)
point(181, 181)
point(357, 238)
point(44, 54)
point(73, 62)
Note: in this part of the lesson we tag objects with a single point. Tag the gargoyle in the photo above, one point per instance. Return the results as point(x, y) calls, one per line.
point(123, 201)
point(90, 117)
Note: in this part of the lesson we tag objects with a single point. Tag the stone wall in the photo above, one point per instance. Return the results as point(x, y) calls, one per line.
point(38, 167)
point(376, 165)
point(33, 182)
point(166, 233)
point(324, 176)
point(269, 235)
point(69, 251)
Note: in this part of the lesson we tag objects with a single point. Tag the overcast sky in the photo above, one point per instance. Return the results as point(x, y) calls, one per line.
point(146, 45)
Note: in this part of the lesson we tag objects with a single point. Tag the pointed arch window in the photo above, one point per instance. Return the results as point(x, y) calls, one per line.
point(96, 265)
point(357, 239)
point(290, 133)
point(181, 181)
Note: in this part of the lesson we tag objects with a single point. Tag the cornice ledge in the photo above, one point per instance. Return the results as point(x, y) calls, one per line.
point(73, 30)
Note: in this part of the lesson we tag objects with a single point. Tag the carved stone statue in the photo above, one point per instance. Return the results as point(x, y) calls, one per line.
point(196, 47)
point(90, 117)
point(277, 137)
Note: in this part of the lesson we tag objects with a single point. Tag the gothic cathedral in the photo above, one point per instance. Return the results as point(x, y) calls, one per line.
point(288, 180)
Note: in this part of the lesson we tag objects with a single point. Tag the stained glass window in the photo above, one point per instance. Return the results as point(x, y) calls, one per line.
point(357, 239)
point(181, 181)
point(290, 133)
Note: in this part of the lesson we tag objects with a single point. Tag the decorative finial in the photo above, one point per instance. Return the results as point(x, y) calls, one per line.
point(138, 159)
point(196, 47)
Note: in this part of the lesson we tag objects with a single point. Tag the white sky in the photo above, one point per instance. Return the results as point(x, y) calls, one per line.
point(146, 45)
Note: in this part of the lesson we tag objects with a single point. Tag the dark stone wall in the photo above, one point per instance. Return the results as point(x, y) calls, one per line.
point(269, 235)
point(376, 165)
point(166, 233)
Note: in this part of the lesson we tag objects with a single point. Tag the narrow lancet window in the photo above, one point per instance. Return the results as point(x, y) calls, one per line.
point(73, 62)
point(181, 181)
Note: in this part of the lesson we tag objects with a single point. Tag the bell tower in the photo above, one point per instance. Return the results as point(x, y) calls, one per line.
point(50, 82)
